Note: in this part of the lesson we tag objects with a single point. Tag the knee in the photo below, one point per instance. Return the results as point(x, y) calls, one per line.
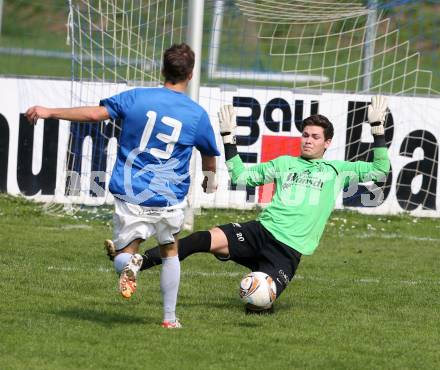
point(132, 248)
point(219, 242)
point(168, 250)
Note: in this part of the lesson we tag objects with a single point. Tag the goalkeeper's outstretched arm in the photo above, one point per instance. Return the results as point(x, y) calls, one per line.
point(379, 168)
point(259, 174)
point(376, 118)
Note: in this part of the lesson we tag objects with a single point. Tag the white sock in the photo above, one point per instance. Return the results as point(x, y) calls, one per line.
point(121, 260)
point(169, 286)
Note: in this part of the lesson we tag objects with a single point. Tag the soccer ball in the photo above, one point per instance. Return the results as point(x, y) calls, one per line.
point(258, 291)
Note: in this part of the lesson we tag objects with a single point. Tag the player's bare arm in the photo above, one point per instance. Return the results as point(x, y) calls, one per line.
point(209, 168)
point(77, 114)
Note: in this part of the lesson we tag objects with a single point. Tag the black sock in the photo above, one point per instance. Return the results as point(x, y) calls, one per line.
point(150, 258)
point(199, 241)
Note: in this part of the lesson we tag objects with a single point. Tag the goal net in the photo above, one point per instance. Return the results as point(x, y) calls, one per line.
point(277, 62)
point(281, 61)
point(116, 45)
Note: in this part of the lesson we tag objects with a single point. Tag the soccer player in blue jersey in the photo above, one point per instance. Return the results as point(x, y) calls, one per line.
point(150, 179)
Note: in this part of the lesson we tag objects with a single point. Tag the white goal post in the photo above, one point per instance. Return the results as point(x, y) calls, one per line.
point(195, 37)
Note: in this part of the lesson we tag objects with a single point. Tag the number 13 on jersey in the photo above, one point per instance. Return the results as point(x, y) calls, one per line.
point(169, 140)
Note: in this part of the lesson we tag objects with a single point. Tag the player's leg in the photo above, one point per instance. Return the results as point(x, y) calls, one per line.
point(216, 241)
point(281, 276)
point(243, 240)
point(166, 234)
point(280, 262)
point(169, 282)
point(252, 246)
point(129, 230)
point(213, 241)
point(128, 263)
point(122, 256)
point(197, 242)
point(219, 244)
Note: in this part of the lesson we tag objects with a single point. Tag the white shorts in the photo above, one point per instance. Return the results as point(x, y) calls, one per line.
point(132, 222)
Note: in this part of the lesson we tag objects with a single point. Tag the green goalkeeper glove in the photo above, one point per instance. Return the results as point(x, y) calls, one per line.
point(228, 124)
point(376, 114)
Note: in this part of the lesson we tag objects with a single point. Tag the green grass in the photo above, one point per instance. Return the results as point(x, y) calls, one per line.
point(367, 299)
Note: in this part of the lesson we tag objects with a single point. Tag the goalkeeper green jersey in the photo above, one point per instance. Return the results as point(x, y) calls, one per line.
point(305, 192)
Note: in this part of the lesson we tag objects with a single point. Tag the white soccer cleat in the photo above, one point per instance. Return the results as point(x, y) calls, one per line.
point(171, 324)
point(110, 249)
point(127, 280)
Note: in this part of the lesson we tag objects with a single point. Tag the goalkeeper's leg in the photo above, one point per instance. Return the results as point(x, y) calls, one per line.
point(197, 242)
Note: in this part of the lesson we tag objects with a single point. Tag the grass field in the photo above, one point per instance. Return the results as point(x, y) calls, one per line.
point(367, 299)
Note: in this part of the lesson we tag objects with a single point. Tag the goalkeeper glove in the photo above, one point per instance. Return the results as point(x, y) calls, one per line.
point(376, 114)
point(228, 124)
point(209, 183)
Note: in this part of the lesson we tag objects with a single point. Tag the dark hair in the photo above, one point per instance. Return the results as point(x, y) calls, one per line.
point(178, 63)
point(321, 121)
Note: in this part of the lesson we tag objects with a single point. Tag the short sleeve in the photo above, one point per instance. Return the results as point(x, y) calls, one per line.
point(205, 138)
point(118, 105)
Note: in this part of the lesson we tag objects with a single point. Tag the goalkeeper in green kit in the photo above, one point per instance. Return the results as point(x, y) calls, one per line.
point(306, 189)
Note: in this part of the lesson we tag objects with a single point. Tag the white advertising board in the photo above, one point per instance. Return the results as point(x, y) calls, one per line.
point(33, 159)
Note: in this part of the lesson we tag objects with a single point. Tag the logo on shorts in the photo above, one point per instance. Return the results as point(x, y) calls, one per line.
point(148, 212)
point(236, 224)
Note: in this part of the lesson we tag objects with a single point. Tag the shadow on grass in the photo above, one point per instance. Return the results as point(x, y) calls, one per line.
point(104, 317)
point(233, 305)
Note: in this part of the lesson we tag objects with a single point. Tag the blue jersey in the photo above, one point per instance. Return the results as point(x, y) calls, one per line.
point(160, 127)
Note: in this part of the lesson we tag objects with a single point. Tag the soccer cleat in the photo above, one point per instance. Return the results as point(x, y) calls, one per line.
point(110, 249)
point(127, 280)
point(172, 324)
